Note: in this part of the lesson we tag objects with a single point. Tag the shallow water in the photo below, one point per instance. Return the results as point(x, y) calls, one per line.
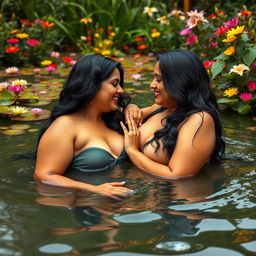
point(212, 213)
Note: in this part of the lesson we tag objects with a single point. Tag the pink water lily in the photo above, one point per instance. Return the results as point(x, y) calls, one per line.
point(191, 39)
point(252, 85)
point(245, 96)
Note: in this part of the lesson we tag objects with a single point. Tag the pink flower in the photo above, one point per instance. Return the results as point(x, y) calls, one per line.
point(251, 85)
point(38, 21)
point(36, 70)
point(214, 44)
point(192, 22)
point(55, 54)
point(36, 110)
point(253, 65)
point(50, 68)
point(185, 32)
point(191, 39)
point(245, 96)
point(231, 23)
point(32, 42)
point(16, 88)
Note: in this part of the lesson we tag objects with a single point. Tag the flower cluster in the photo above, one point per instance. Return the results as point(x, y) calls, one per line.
point(25, 42)
point(227, 47)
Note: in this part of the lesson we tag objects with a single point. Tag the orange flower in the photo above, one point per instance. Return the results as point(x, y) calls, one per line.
point(230, 50)
point(141, 47)
point(12, 49)
point(46, 24)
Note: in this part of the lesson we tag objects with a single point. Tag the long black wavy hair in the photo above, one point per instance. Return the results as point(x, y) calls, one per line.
point(82, 85)
point(185, 78)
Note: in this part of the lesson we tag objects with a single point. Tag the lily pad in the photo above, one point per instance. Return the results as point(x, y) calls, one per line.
point(20, 126)
point(30, 116)
point(33, 130)
point(13, 132)
point(37, 103)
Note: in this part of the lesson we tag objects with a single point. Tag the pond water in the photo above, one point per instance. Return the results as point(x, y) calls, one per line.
point(212, 213)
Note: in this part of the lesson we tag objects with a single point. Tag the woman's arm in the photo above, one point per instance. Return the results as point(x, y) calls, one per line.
point(195, 144)
point(55, 153)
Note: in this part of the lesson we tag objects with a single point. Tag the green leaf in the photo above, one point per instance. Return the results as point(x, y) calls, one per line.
point(221, 56)
point(245, 37)
point(217, 67)
point(244, 109)
point(249, 56)
point(227, 101)
point(6, 99)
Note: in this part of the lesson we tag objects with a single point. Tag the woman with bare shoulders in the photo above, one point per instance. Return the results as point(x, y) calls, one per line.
point(84, 132)
point(181, 132)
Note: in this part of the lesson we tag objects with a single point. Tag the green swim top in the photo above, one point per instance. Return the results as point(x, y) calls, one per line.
point(95, 159)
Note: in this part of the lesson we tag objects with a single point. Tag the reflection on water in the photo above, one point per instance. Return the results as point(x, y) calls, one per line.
point(212, 213)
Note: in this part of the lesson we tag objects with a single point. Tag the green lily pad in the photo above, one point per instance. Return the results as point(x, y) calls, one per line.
point(37, 103)
point(20, 126)
point(6, 99)
point(33, 130)
point(13, 132)
point(227, 101)
point(30, 116)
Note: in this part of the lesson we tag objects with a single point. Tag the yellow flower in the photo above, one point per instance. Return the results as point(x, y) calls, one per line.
point(46, 62)
point(238, 69)
point(229, 39)
point(18, 110)
point(162, 20)
point(97, 35)
point(22, 35)
point(230, 50)
point(107, 42)
point(235, 31)
point(231, 92)
point(150, 10)
point(112, 34)
point(19, 82)
point(100, 44)
point(96, 50)
point(155, 34)
point(86, 20)
point(106, 52)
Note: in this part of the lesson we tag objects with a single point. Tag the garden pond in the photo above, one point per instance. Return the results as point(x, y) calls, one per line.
point(212, 213)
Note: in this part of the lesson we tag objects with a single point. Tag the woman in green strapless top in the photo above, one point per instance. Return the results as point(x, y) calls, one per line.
point(84, 132)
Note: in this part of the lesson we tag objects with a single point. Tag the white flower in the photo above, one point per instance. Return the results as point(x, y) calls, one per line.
point(3, 86)
point(18, 110)
point(150, 10)
point(239, 69)
point(12, 70)
point(19, 82)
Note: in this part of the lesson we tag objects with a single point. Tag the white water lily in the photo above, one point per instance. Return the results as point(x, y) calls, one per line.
point(239, 69)
point(18, 110)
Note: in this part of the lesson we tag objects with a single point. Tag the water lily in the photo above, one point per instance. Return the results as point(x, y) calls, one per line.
point(36, 111)
point(231, 92)
point(46, 62)
point(12, 70)
point(19, 82)
point(18, 110)
point(3, 86)
point(251, 85)
point(245, 96)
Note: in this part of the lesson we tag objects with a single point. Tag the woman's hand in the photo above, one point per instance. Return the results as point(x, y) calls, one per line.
point(132, 110)
point(131, 135)
point(113, 190)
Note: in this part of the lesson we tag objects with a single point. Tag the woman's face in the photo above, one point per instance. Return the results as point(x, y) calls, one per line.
point(109, 93)
point(162, 98)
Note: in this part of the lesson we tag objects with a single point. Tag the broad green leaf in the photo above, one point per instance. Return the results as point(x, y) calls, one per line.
point(244, 109)
point(249, 56)
point(217, 67)
point(227, 101)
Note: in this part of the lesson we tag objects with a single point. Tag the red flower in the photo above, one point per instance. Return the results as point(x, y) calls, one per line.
point(208, 63)
point(12, 41)
point(12, 49)
point(27, 22)
point(141, 47)
point(67, 59)
point(46, 24)
point(53, 65)
point(101, 29)
point(139, 38)
point(221, 30)
point(136, 55)
point(126, 47)
point(32, 42)
point(88, 38)
point(212, 16)
point(89, 31)
point(24, 54)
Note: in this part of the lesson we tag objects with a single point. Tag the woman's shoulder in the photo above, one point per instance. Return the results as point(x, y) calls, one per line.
point(201, 118)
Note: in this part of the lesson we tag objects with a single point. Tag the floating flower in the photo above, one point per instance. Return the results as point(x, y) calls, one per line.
point(22, 35)
point(239, 69)
point(12, 41)
point(67, 59)
point(136, 76)
point(3, 86)
point(245, 96)
point(46, 62)
point(50, 68)
point(252, 85)
point(32, 42)
point(12, 49)
point(185, 32)
point(235, 31)
point(55, 54)
point(19, 82)
point(106, 52)
point(47, 24)
point(18, 110)
point(86, 20)
point(36, 111)
point(231, 23)
point(231, 92)
point(150, 10)
point(12, 70)
point(230, 50)
point(141, 47)
point(208, 63)
point(229, 39)
point(191, 39)
point(155, 34)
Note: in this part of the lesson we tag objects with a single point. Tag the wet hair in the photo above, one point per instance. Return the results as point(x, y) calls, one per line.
point(185, 79)
point(83, 83)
